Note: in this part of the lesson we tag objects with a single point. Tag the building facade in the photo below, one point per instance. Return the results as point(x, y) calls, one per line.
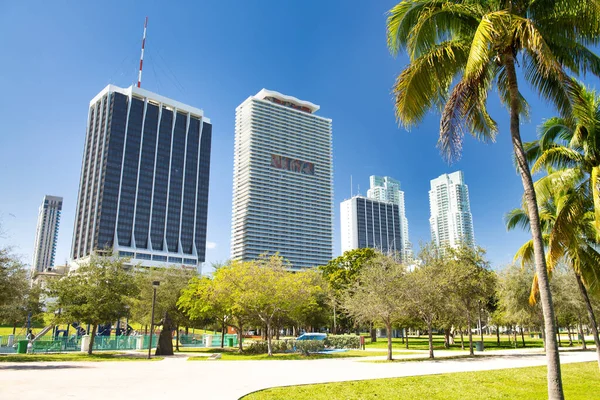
point(384, 188)
point(451, 222)
point(371, 223)
point(46, 234)
point(282, 181)
point(143, 192)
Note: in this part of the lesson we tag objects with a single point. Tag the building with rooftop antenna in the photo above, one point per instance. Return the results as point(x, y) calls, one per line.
point(282, 181)
point(143, 191)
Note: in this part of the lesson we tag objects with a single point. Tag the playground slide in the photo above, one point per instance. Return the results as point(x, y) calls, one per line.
point(42, 333)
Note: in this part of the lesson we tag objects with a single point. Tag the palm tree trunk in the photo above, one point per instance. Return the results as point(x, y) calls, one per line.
point(555, 389)
point(591, 315)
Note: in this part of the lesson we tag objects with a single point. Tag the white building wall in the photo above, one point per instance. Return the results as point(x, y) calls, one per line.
point(46, 234)
point(276, 209)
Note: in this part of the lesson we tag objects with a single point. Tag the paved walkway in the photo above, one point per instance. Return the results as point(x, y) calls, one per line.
point(175, 377)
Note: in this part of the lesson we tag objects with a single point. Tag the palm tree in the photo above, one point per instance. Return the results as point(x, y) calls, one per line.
point(459, 50)
point(569, 234)
point(570, 147)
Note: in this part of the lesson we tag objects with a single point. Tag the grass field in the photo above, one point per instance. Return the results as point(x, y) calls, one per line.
point(581, 381)
point(75, 357)
point(233, 355)
point(490, 343)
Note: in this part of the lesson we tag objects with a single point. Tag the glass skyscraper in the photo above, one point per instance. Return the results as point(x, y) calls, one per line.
point(451, 221)
point(384, 188)
point(46, 234)
point(143, 192)
point(370, 223)
point(282, 181)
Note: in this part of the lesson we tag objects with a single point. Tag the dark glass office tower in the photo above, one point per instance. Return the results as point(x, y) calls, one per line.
point(143, 192)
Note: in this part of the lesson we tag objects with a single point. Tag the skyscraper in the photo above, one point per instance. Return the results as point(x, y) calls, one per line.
point(144, 179)
point(451, 221)
point(282, 181)
point(370, 223)
point(384, 188)
point(46, 233)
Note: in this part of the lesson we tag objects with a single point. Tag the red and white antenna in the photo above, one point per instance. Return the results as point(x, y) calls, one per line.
point(142, 56)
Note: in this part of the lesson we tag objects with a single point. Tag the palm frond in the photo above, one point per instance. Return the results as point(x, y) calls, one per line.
point(516, 218)
point(560, 157)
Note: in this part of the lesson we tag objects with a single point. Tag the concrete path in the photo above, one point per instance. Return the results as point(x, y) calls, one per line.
point(175, 377)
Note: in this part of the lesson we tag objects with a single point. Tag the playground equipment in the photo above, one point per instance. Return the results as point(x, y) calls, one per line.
point(312, 336)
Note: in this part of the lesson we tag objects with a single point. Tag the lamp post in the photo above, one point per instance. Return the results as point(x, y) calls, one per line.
point(155, 285)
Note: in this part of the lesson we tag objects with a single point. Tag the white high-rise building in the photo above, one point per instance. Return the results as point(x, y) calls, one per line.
point(451, 221)
point(370, 223)
point(282, 181)
point(384, 188)
point(46, 233)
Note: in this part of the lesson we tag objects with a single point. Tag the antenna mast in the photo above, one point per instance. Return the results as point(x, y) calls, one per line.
point(142, 56)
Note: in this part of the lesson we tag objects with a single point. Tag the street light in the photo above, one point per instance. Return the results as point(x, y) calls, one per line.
point(155, 285)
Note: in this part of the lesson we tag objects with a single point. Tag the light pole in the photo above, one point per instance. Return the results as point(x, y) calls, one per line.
point(155, 285)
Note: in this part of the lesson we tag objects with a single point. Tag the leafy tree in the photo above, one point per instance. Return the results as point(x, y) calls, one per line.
point(340, 273)
point(97, 292)
point(460, 50)
point(377, 295)
point(426, 292)
point(471, 282)
point(172, 282)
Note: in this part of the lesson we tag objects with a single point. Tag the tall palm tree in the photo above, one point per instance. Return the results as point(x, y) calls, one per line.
point(460, 50)
point(569, 234)
point(569, 147)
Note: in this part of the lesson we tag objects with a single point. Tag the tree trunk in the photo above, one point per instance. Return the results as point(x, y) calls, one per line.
point(498, 336)
point(591, 315)
point(373, 333)
point(583, 345)
point(164, 347)
point(555, 389)
point(430, 340)
point(471, 353)
point(570, 337)
point(240, 338)
point(269, 348)
point(558, 333)
point(223, 333)
point(462, 340)
point(446, 338)
point(388, 327)
point(522, 337)
point(92, 338)
point(406, 335)
point(177, 340)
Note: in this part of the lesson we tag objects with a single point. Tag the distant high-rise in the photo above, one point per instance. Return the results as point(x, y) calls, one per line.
point(46, 233)
point(282, 181)
point(144, 179)
point(371, 223)
point(451, 221)
point(384, 188)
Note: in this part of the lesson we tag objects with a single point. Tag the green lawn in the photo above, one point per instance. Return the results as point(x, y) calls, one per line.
point(581, 381)
point(490, 343)
point(231, 355)
point(75, 357)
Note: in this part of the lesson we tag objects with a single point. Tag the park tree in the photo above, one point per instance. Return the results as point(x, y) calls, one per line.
point(426, 292)
point(97, 292)
point(459, 51)
point(271, 291)
point(378, 294)
point(173, 280)
point(512, 291)
point(470, 281)
point(340, 273)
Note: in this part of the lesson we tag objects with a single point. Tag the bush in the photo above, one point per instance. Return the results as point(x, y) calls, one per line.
point(309, 346)
point(343, 341)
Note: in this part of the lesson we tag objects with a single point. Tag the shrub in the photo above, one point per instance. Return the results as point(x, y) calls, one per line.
point(343, 341)
point(309, 346)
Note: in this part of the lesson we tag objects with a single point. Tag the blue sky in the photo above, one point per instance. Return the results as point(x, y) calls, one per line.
point(56, 56)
